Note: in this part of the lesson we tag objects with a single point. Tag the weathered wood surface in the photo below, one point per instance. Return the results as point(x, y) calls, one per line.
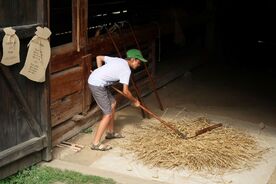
point(24, 117)
point(24, 31)
point(19, 12)
point(16, 152)
point(31, 120)
point(66, 82)
point(25, 113)
point(63, 58)
point(70, 128)
point(22, 101)
point(20, 164)
point(65, 109)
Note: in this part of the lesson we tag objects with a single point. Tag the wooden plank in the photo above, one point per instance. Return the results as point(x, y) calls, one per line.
point(87, 66)
point(45, 118)
point(74, 23)
point(70, 128)
point(42, 8)
point(66, 108)
point(77, 20)
point(20, 164)
point(24, 31)
point(16, 152)
point(64, 57)
point(83, 23)
point(59, 132)
point(73, 146)
point(66, 82)
point(18, 12)
point(9, 110)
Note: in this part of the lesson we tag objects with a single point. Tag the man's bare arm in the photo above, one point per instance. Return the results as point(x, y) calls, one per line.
point(130, 96)
point(100, 61)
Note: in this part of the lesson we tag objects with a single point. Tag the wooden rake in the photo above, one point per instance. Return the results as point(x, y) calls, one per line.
point(171, 127)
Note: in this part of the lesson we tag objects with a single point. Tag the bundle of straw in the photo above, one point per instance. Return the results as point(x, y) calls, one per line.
point(223, 148)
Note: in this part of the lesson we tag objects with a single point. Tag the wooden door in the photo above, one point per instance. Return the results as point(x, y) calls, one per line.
point(24, 104)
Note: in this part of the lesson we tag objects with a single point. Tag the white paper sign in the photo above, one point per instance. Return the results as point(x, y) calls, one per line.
point(38, 56)
point(11, 46)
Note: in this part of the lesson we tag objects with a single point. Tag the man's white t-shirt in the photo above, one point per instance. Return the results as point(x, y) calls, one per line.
point(114, 69)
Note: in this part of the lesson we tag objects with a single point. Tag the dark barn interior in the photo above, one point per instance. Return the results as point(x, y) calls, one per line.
point(220, 43)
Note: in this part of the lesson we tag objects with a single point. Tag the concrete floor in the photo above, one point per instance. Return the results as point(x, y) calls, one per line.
point(227, 94)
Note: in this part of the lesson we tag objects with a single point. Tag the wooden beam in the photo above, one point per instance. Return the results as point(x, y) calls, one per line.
point(103, 44)
point(19, 165)
point(70, 128)
point(16, 152)
point(24, 31)
point(83, 23)
point(45, 118)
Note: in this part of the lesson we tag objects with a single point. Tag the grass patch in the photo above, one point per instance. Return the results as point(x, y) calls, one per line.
point(47, 175)
point(87, 131)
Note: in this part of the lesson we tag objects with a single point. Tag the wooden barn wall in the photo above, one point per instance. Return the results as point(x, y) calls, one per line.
point(70, 94)
point(73, 61)
point(25, 115)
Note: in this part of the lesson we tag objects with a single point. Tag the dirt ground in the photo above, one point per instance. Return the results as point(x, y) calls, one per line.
point(246, 98)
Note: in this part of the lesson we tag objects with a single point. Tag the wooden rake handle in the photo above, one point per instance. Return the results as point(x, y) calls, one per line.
point(155, 116)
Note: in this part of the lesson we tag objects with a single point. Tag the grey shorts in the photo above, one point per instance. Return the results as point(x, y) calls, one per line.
point(103, 98)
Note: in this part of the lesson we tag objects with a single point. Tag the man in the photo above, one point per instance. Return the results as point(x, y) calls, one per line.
point(114, 69)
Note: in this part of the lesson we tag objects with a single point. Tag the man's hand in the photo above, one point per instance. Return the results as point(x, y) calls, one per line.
point(136, 103)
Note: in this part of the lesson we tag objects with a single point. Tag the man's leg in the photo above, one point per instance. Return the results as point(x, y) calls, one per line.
point(106, 119)
point(110, 126)
point(101, 96)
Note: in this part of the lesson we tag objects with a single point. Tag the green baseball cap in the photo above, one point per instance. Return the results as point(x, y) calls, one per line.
point(134, 53)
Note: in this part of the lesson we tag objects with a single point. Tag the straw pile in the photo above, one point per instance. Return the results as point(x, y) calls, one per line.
point(222, 149)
